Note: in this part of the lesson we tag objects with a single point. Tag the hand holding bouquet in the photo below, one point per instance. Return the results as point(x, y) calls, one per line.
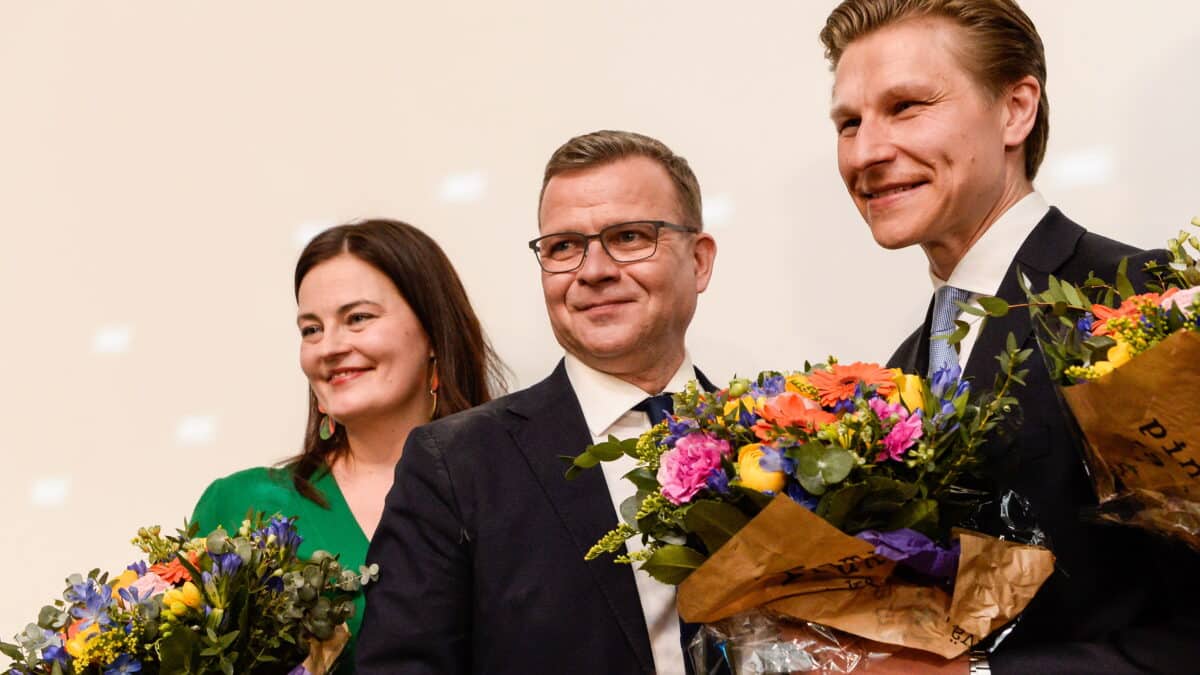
point(828, 495)
point(220, 604)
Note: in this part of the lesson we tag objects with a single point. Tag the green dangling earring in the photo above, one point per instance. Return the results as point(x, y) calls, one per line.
point(327, 427)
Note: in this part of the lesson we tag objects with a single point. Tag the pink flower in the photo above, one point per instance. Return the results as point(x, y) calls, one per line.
point(901, 438)
point(684, 469)
point(149, 584)
point(886, 411)
point(1184, 300)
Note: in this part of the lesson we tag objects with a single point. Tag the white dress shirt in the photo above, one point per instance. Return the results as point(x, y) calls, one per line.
point(606, 402)
point(982, 269)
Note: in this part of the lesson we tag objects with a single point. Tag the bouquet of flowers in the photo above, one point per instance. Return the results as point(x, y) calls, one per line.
point(219, 604)
point(827, 496)
point(1126, 364)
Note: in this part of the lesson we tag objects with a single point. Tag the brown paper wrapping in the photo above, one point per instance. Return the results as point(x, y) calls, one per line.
point(322, 655)
point(790, 561)
point(1141, 430)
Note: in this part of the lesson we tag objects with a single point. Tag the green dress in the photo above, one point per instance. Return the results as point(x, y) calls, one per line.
point(270, 490)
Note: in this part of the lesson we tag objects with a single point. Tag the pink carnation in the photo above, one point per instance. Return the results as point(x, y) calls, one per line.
point(684, 470)
point(886, 411)
point(1184, 300)
point(149, 584)
point(901, 438)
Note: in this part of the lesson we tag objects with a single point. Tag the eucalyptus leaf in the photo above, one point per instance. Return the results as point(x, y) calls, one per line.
point(629, 508)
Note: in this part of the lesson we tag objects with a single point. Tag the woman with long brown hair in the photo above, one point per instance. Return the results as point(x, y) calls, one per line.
point(388, 341)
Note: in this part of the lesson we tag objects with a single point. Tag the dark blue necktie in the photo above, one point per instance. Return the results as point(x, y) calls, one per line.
point(657, 408)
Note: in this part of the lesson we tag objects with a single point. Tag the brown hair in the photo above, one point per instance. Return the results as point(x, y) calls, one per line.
point(468, 369)
point(602, 147)
point(1002, 46)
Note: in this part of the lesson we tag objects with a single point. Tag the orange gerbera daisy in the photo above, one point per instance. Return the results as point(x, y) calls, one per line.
point(173, 572)
point(839, 382)
point(1131, 308)
point(790, 409)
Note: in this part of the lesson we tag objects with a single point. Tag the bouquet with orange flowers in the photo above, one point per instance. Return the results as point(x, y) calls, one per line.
point(828, 496)
point(1126, 366)
point(220, 604)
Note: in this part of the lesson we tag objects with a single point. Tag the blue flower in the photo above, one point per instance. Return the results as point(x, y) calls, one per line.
point(677, 429)
point(944, 379)
point(95, 600)
point(55, 653)
point(1084, 325)
point(801, 496)
point(123, 665)
point(775, 460)
point(717, 481)
point(747, 418)
point(226, 564)
point(140, 567)
point(772, 386)
point(845, 406)
point(284, 532)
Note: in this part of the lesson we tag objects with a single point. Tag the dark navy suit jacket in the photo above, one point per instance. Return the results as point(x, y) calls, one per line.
point(1121, 600)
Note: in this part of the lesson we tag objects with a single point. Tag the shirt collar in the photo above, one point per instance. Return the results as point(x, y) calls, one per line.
point(982, 269)
point(605, 398)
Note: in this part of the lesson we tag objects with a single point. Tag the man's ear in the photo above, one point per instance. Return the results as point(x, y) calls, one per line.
point(704, 252)
point(1020, 100)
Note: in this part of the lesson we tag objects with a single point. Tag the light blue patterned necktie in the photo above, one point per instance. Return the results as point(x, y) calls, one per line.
point(945, 310)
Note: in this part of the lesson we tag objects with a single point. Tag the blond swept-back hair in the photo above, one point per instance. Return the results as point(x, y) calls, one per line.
point(1002, 46)
point(603, 147)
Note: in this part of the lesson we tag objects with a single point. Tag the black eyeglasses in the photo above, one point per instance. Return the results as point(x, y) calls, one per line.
point(624, 243)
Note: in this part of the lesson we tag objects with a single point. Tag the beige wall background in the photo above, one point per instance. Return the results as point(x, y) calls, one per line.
point(162, 164)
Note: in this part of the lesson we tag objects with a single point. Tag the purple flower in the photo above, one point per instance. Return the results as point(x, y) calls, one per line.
point(55, 653)
point(684, 469)
point(1084, 325)
point(91, 602)
point(123, 665)
point(902, 437)
point(677, 429)
point(843, 406)
point(717, 481)
point(140, 567)
point(284, 531)
point(772, 386)
point(773, 459)
point(801, 496)
point(945, 379)
point(226, 564)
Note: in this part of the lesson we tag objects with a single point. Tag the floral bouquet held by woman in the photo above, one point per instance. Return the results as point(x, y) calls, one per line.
point(828, 496)
point(1127, 368)
point(221, 604)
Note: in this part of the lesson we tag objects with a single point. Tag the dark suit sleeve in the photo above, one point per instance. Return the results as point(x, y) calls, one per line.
point(418, 617)
point(1165, 642)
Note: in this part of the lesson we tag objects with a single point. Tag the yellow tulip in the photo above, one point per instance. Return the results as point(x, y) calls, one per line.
point(1119, 354)
point(753, 475)
point(910, 390)
point(1102, 368)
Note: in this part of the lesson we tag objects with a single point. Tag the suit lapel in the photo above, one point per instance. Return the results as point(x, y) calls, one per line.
point(1044, 252)
point(551, 424)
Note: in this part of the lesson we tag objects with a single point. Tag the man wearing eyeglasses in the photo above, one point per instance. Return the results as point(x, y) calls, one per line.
point(482, 540)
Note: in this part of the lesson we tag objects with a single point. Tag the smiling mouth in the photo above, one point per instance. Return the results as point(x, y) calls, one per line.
point(892, 191)
point(603, 305)
point(345, 375)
